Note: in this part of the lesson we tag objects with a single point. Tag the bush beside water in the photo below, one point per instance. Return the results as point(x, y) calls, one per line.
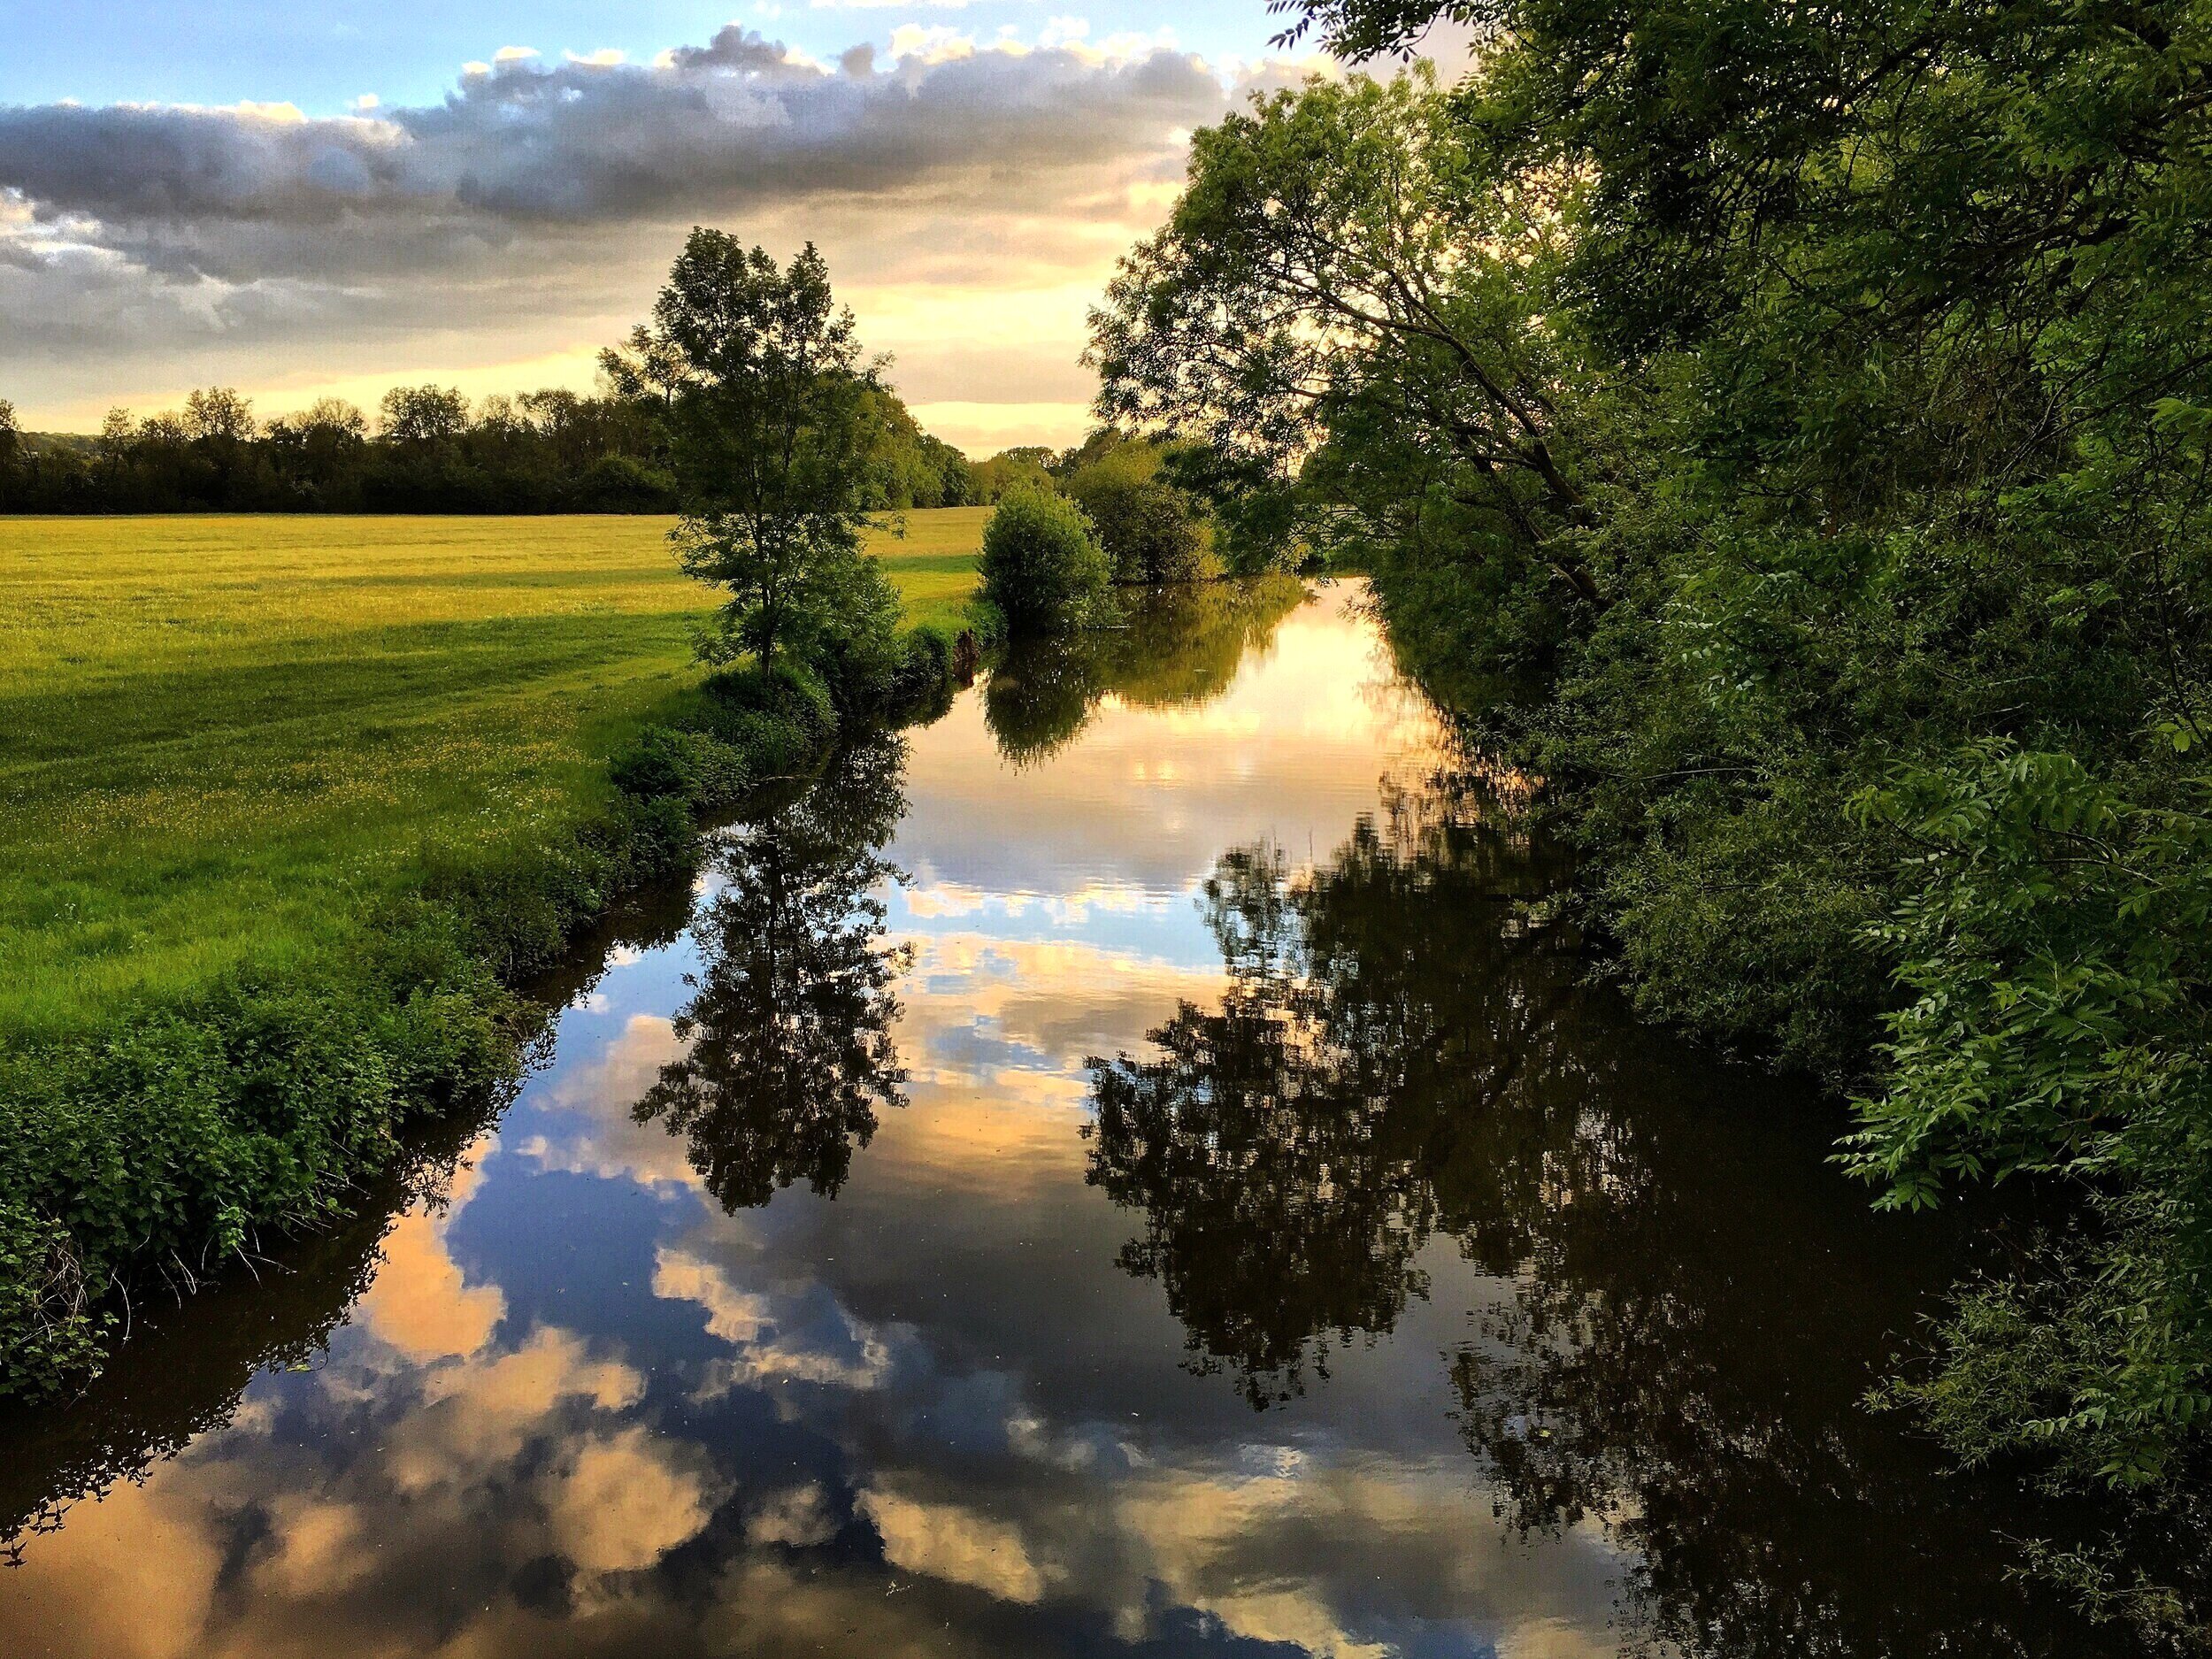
point(1043, 570)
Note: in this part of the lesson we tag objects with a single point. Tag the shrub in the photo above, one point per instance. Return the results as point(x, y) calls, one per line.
point(695, 768)
point(1042, 568)
point(170, 1141)
point(1150, 530)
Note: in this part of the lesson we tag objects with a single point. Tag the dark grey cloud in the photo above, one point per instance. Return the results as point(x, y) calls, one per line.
point(727, 123)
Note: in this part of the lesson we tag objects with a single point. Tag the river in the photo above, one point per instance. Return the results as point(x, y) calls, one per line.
point(1132, 1167)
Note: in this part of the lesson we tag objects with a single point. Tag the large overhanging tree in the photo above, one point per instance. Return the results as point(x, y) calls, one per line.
point(1822, 390)
point(1352, 258)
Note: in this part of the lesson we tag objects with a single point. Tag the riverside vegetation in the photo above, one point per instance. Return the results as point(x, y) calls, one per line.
point(291, 827)
point(292, 824)
point(250, 928)
point(1786, 433)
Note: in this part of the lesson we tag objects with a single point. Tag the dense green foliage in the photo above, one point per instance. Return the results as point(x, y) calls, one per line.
point(1027, 464)
point(1784, 431)
point(1042, 568)
point(1152, 530)
point(766, 401)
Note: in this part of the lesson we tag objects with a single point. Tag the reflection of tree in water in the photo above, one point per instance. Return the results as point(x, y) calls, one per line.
point(790, 1026)
point(1181, 645)
point(1688, 1304)
point(1282, 1147)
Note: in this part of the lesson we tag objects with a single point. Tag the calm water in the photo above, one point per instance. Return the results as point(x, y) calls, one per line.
point(1126, 1170)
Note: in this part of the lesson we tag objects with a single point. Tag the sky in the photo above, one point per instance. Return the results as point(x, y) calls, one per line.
point(310, 199)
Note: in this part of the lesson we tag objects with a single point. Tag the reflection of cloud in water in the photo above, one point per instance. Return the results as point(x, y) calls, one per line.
point(419, 1301)
point(476, 1415)
point(772, 1340)
point(597, 1136)
point(625, 1500)
point(799, 1519)
point(947, 1541)
point(133, 1577)
point(1308, 1552)
point(1147, 797)
point(976, 1005)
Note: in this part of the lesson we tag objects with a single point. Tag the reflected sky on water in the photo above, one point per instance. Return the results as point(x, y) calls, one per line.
point(1120, 1170)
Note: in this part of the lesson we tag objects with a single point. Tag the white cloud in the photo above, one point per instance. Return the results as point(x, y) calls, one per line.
point(930, 44)
point(770, 1344)
point(799, 1518)
point(944, 1540)
point(625, 1500)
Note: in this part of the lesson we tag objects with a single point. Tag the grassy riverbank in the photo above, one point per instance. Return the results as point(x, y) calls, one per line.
point(229, 737)
point(290, 803)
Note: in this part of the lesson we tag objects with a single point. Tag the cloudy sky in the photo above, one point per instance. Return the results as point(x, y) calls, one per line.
point(335, 197)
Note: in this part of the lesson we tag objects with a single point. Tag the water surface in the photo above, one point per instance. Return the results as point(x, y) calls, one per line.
point(1127, 1169)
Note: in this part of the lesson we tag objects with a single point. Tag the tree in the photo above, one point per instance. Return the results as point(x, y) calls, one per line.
point(118, 431)
point(424, 415)
point(1747, 411)
point(218, 415)
point(1009, 469)
point(766, 393)
point(1349, 258)
point(334, 418)
point(1151, 529)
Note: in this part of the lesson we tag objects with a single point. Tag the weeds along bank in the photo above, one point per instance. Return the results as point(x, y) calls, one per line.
point(294, 805)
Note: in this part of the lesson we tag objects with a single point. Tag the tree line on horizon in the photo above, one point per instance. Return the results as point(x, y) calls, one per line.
point(431, 449)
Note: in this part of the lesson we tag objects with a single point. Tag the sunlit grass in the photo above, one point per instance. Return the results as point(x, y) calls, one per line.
point(222, 737)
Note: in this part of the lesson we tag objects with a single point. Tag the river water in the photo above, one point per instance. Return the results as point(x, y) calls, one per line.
point(1128, 1168)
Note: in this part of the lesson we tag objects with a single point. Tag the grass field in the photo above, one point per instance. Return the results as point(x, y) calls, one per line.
point(221, 737)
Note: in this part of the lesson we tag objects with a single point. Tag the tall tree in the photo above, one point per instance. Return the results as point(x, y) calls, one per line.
point(1866, 344)
point(1352, 258)
point(767, 394)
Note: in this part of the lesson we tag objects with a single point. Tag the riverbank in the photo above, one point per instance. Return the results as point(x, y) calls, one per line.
point(903, 1226)
point(295, 801)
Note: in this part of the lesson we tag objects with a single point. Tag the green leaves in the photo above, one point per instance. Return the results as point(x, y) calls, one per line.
point(2059, 958)
point(1788, 432)
point(769, 407)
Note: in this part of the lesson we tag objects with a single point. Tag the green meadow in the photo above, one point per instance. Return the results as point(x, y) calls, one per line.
point(225, 737)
